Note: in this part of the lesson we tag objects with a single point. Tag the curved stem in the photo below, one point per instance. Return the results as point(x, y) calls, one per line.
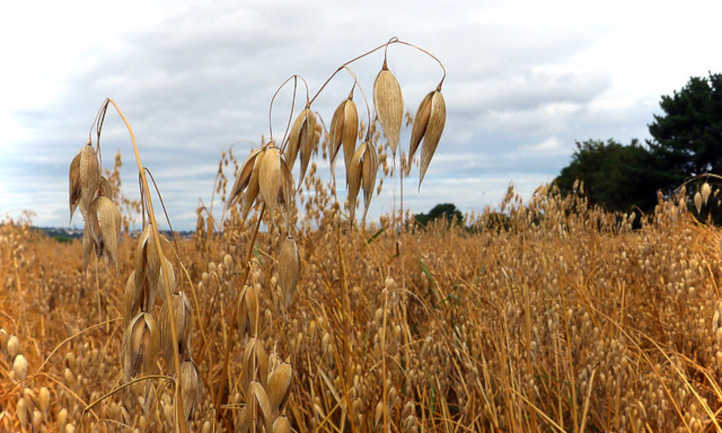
point(363, 94)
point(270, 108)
point(290, 115)
point(443, 77)
point(156, 241)
point(385, 46)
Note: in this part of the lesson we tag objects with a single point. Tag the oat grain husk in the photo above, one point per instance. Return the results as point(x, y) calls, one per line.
point(269, 177)
point(389, 103)
point(288, 269)
point(74, 185)
point(432, 135)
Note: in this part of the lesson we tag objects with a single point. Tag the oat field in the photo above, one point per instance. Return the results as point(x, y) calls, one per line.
point(286, 311)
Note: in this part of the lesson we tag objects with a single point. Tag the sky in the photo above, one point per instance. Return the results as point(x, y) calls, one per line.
point(525, 80)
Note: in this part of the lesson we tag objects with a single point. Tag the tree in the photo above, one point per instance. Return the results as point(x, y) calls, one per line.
point(688, 136)
point(615, 176)
point(447, 211)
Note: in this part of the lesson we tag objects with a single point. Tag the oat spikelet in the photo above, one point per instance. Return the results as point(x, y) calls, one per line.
point(288, 197)
point(389, 104)
point(706, 191)
point(281, 425)
point(74, 185)
point(354, 177)
point(698, 201)
point(309, 139)
point(253, 187)
point(87, 246)
point(432, 134)
point(107, 217)
point(264, 403)
point(288, 269)
point(140, 345)
point(191, 388)
point(344, 131)
point(131, 299)
point(279, 385)
point(89, 177)
point(243, 178)
point(105, 189)
point(269, 176)
point(418, 130)
point(147, 268)
point(369, 169)
point(182, 313)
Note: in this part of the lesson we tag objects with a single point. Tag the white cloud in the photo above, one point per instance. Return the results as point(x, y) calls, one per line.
point(195, 77)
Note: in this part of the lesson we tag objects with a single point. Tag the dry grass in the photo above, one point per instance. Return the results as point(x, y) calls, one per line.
point(570, 321)
point(549, 316)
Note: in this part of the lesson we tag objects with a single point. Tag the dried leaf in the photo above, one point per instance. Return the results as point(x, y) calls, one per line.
point(437, 119)
point(389, 103)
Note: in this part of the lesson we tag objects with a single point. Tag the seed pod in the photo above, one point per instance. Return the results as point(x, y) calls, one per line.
point(389, 104)
point(74, 189)
point(255, 360)
point(88, 246)
point(190, 386)
point(62, 419)
point(89, 177)
point(706, 191)
point(182, 312)
point(344, 130)
point(698, 201)
point(13, 346)
point(147, 268)
point(269, 177)
point(243, 177)
point(432, 132)
point(281, 425)
point(253, 187)
point(369, 169)
point(288, 269)
point(131, 299)
point(104, 223)
point(263, 402)
point(279, 385)
point(44, 400)
point(105, 189)
point(302, 138)
point(20, 367)
point(166, 269)
point(418, 130)
point(287, 196)
point(355, 173)
point(140, 345)
point(21, 410)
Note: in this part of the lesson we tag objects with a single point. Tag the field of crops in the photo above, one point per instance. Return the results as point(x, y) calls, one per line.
point(288, 310)
point(562, 319)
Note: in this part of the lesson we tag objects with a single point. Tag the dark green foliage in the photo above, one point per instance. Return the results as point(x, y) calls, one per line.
point(447, 211)
point(615, 176)
point(688, 136)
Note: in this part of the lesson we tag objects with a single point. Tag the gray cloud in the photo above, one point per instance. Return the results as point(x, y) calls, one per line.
point(202, 80)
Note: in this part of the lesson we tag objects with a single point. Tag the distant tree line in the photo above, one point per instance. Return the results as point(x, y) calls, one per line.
point(686, 142)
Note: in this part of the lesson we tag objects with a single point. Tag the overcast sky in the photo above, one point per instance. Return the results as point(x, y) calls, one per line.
point(525, 80)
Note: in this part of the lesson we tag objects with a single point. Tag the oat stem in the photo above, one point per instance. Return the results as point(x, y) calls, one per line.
point(156, 239)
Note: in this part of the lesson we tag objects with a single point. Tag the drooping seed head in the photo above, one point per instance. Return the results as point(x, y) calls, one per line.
point(20, 367)
point(104, 227)
point(140, 345)
point(288, 269)
point(389, 103)
point(698, 201)
point(432, 133)
point(269, 178)
point(418, 130)
point(74, 190)
point(344, 131)
point(279, 385)
point(191, 388)
point(706, 190)
point(88, 177)
point(182, 312)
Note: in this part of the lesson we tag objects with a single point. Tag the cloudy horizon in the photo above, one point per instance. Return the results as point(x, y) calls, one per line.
point(525, 81)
